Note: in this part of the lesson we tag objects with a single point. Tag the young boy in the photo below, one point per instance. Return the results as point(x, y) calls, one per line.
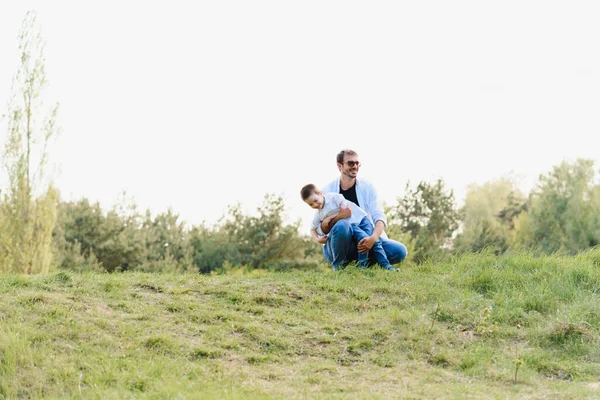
point(329, 204)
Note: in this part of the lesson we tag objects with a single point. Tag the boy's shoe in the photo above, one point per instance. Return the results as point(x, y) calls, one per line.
point(363, 264)
point(390, 267)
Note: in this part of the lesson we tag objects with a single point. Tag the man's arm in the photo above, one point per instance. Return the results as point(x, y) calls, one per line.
point(329, 222)
point(379, 229)
point(373, 206)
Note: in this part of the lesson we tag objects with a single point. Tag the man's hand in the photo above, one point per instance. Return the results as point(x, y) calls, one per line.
point(345, 212)
point(322, 239)
point(366, 244)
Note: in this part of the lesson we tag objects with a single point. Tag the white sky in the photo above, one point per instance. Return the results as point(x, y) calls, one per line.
point(197, 105)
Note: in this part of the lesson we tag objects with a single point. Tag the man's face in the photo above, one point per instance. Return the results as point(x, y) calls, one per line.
point(350, 166)
point(315, 201)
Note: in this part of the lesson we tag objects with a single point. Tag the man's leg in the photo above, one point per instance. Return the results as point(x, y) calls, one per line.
point(396, 252)
point(339, 243)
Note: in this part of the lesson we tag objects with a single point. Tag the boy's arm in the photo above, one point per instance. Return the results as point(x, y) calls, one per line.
point(317, 237)
point(329, 222)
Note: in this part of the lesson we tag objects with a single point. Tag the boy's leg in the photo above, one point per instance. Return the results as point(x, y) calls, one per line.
point(377, 250)
point(340, 240)
point(381, 257)
point(366, 227)
point(363, 258)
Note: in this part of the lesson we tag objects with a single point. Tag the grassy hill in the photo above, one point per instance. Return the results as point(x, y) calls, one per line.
point(477, 327)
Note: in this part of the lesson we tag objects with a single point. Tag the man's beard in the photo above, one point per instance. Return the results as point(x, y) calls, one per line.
point(351, 174)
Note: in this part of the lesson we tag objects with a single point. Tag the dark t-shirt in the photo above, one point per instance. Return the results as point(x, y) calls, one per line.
point(350, 194)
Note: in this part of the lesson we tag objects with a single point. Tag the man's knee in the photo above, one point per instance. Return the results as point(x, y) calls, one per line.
point(395, 251)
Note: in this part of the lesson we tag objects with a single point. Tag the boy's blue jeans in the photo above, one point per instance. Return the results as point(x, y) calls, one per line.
point(363, 230)
point(340, 248)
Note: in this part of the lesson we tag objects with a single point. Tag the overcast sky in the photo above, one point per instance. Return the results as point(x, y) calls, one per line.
point(197, 105)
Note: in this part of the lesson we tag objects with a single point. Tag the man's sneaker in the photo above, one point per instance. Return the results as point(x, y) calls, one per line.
point(390, 267)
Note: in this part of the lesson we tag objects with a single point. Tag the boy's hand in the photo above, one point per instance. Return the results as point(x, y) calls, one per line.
point(329, 222)
point(322, 239)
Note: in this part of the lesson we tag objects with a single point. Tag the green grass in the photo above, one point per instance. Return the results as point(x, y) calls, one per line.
point(450, 330)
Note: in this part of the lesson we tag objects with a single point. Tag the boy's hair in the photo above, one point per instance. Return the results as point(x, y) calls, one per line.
point(341, 154)
point(307, 190)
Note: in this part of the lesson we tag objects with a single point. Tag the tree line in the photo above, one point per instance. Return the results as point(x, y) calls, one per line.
point(562, 214)
point(39, 232)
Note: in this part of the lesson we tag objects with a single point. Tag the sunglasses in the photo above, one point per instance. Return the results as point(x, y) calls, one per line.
point(353, 163)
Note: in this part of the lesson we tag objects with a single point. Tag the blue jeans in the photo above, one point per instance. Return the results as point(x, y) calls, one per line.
point(361, 231)
point(340, 248)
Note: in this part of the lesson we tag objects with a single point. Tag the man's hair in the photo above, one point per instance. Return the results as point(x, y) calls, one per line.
point(307, 190)
point(341, 154)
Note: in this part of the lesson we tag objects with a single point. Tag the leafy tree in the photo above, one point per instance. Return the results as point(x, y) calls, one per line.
point(428, 213)
point(565, 208)
point(211, 247)
point(68, 241)
point(112, 240)
point(82, 223)
point(167, 245)
point(123, 242)
point(521, 237)
point(487, 234)
point(28, 208)
point(487, 216)
point(516, 205)
point(255, 241)
point(263, 239)
point(88, 238)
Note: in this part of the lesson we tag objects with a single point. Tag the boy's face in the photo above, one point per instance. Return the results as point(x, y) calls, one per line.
point(315, 201)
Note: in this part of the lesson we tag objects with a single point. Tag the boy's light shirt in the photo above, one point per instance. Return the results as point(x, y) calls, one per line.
point(332, 207)
point(367, 198)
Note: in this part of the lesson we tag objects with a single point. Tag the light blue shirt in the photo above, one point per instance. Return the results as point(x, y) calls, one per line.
point(367, 199)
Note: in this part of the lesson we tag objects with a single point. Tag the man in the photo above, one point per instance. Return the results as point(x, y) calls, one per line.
point(340, 248)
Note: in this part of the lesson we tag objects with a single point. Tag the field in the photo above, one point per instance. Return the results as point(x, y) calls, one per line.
point(479, 326)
